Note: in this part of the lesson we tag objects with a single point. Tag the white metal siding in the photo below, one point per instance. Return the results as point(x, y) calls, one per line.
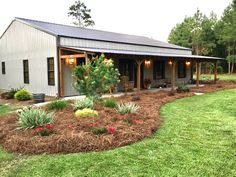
point(72, 42)
point(22, 42)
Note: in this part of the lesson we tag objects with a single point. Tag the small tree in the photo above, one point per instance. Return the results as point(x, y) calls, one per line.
point(80, 14)
point(96, 78)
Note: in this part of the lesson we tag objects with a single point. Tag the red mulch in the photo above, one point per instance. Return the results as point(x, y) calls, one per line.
point(74, 134)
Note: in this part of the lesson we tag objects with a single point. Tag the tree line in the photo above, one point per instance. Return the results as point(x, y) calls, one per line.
point(208, 35)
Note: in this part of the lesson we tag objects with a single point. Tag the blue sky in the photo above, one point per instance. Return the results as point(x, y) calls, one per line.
point(151, 18)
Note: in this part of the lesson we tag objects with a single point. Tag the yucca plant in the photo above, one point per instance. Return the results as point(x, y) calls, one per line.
point(126, 108)
point(83, 103)
point(32, 118)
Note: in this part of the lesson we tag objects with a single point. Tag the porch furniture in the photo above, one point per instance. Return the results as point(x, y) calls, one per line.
point(126, 85)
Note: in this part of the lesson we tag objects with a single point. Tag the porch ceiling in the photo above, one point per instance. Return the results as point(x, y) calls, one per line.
point(142, 53)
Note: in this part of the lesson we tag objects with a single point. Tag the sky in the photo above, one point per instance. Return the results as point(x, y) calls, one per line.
point(150, 18)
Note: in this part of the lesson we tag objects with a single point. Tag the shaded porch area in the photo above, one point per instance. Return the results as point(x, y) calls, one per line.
point(138, 70)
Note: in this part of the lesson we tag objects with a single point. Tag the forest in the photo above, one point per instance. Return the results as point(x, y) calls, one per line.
point(209, 36)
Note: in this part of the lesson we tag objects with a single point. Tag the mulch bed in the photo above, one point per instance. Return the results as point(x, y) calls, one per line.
point(74, 134)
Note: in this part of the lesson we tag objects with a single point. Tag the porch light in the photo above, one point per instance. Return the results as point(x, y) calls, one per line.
point(70, 62)
point(147, 63)
point(188, 63)
point(170, 62)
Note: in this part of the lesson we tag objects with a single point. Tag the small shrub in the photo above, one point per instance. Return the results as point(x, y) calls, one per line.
point(183, 88)
point(99, 130)
point(111, 130)
point(86, 112)
point(12, 92)
point(32, 118)
point(126, 108)
point(46, 130)
point(84, 103)
point(110, 103)
point(57, 105)
point(23, 95)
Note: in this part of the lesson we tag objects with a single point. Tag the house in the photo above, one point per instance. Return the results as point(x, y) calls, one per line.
point(40, 56)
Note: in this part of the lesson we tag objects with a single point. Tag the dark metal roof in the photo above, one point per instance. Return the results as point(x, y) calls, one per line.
point(128, 52)
point(85, 33)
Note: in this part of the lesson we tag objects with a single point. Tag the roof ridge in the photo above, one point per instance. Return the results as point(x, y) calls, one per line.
point(127, 36)
point(83, 28)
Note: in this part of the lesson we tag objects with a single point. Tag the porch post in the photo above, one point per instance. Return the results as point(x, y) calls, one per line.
point(86, 58)
point(197, 77)
point(61, 74)
point(215, 72)
point(173, 76)
point(139, 62)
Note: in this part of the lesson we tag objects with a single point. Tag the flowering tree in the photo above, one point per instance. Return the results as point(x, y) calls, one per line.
point(95, 78)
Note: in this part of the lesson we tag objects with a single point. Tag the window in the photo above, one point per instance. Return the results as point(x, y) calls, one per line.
point(126, 68)
point(181, 69)
point(26, 71)
point(3, 68)
point(51, 78)
point(158, 69)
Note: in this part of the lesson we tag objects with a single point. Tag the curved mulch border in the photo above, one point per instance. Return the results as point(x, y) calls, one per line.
point(73, 136)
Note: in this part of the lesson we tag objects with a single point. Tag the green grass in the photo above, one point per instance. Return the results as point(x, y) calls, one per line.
point(4, 109)
point(197, 138)
point(225, 77)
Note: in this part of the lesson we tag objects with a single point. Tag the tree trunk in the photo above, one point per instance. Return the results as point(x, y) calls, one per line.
point(232, 68)
point(229, 67)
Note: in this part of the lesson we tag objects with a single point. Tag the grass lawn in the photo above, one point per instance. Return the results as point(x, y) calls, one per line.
point(197, 138)
point(4, 109)
point(224, 77)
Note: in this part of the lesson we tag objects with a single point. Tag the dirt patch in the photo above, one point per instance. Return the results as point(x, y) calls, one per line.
point(75, 135)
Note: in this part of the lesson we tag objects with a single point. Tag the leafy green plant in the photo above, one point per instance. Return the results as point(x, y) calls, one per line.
point(86, 112)
point(57, 105)
point(98, 130)
point(126, 108)
point(32, 118)
point(12, 92)
point(83, 103)
point(95, 78)
point(111, 103)
point(23, 95)
point(183, 88)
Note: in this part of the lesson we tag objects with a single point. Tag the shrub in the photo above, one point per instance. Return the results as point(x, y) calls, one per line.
point(95, 78)
point(32, 118)
point(110, 103)
point(126, 108)
point(57, 104)
point(86, 112)
point(12, 92)
point(23, 95)
point(84, 103)
point(99, 130)
point(183, 88)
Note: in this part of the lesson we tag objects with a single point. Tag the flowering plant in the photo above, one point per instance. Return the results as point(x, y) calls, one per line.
point(45, 130)
point(111, 130)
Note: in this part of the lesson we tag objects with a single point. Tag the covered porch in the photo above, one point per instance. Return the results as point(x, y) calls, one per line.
point(163, 70)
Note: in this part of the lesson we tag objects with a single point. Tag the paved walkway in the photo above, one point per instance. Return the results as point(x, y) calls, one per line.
point(79, 97)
